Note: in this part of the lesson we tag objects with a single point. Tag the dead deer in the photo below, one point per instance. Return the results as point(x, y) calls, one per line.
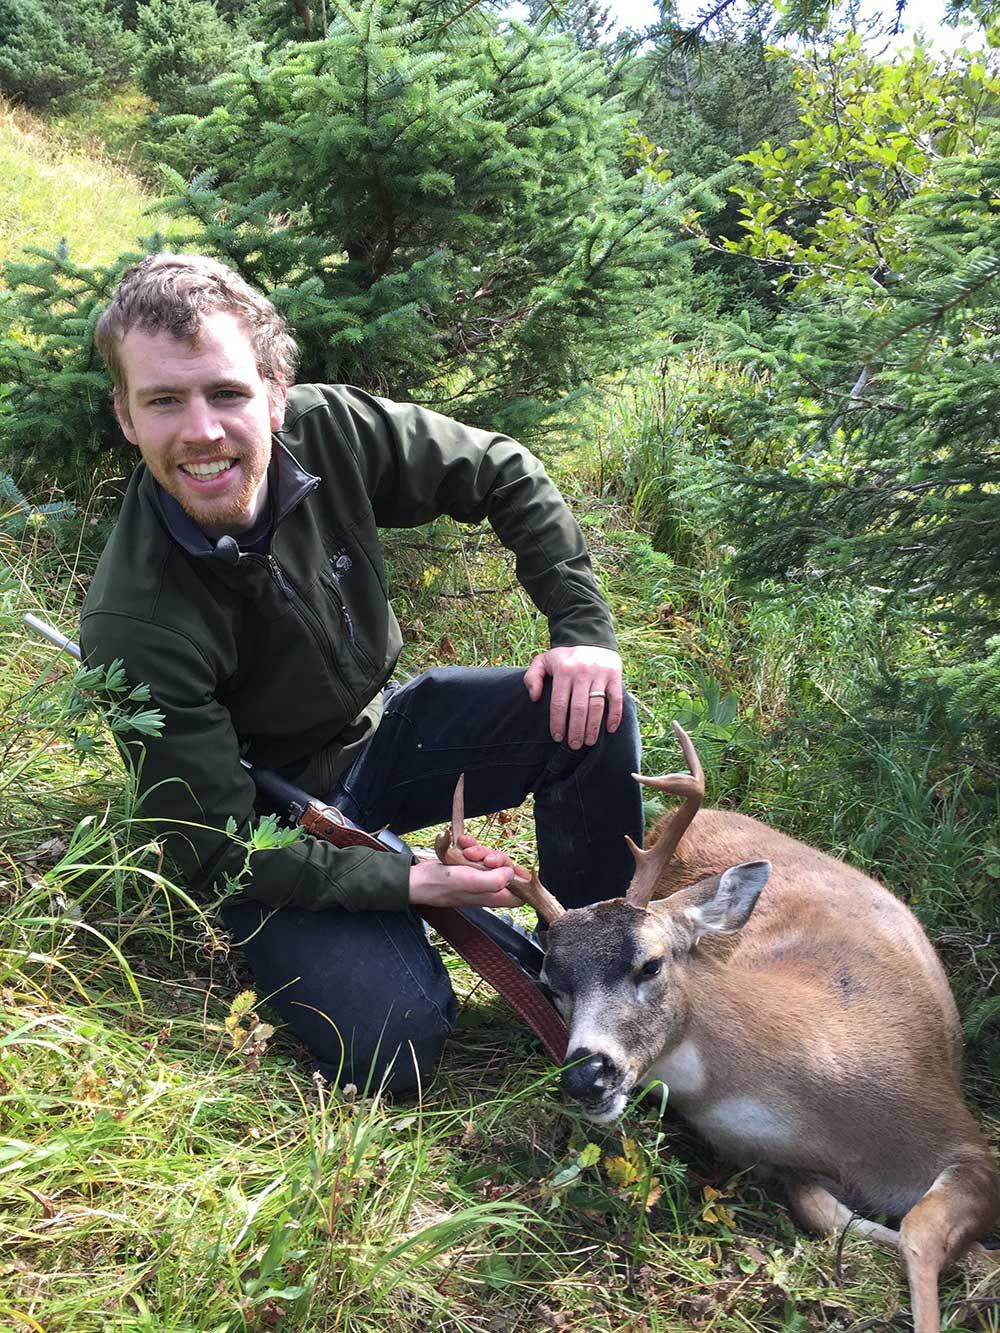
point(799, 1018)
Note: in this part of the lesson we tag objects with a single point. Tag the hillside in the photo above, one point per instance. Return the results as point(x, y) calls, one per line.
point(51, 190)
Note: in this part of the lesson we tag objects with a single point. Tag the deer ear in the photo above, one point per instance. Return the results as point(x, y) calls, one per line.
point(728, 908)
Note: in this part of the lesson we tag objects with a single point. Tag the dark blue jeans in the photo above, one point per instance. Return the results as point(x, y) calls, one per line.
point(366, 991)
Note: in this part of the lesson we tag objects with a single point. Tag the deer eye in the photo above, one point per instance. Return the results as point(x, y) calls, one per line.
point(652, 968)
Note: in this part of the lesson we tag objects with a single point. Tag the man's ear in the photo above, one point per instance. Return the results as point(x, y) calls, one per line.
point(722, 906)
point(277, 397)
point(123, 418)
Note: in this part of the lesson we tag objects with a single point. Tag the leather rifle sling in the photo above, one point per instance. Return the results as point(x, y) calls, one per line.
point(487, 958)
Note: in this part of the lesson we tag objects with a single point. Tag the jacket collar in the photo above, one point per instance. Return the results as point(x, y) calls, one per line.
point(289, 485)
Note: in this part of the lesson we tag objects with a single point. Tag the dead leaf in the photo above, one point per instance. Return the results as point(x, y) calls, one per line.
point(471, 1137)
point(49, 850)
point(714, 1209)
point(621, 1172)
point(43, 1201)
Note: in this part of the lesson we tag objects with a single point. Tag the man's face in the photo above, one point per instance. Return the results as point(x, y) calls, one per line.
point(202, 416)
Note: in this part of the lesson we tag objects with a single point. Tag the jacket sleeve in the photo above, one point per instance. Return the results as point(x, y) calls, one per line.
point(190, 813)
point(420, 465)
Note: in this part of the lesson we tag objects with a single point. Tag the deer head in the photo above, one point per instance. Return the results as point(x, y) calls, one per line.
point(616, 969)
point(617, 973)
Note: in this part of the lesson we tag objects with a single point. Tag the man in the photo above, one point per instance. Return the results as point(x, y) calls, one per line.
point(244, 584)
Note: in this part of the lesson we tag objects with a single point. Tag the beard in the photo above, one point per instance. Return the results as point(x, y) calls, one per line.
point(234, 510)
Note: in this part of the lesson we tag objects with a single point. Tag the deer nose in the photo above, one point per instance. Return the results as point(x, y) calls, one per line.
point(588, 1077)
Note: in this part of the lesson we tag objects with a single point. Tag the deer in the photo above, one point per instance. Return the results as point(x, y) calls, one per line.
point(798, 1017)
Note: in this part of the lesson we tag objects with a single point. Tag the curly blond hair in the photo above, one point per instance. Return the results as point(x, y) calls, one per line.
point(170, 293)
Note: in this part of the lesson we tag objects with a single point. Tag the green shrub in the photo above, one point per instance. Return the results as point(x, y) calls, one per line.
point(183, 45)
point(57, 428)
point(56, 51)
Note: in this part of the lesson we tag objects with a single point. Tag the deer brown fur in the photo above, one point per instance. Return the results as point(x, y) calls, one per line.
point(799, 1018)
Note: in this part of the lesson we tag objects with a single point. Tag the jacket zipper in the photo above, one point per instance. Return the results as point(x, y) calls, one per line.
point(278, 574)
point(305, 610)
point(345, 615)
point(293, 595)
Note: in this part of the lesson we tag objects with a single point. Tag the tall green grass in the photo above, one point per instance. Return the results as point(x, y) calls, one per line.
point(53, 189)
point(167, 1163)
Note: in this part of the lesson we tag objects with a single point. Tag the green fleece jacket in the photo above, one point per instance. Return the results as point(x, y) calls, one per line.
point(282, 656)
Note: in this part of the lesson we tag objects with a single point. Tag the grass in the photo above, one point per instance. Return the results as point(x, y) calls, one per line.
point(155, 1175)
point(55, 189)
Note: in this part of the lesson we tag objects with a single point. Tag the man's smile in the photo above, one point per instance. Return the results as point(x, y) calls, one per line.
point(211, 480)
point(208, 469)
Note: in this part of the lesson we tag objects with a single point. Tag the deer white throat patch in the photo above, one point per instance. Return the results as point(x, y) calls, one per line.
point(682, 1070)
point(747, 1123)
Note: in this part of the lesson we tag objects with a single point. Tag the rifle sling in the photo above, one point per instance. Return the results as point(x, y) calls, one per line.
point(517, 988)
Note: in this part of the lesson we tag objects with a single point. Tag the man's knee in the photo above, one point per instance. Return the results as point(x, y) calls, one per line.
point(397, 1055)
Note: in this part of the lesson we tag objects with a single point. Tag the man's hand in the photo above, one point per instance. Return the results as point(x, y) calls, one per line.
point(586, 690)
point(435, 885)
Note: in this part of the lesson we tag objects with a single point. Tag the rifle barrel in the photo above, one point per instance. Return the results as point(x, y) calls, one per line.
point(53, 635)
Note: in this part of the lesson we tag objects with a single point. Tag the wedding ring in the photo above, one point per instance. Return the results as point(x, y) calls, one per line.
point(597, 694)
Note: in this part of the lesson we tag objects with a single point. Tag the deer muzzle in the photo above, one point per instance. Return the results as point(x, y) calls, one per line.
point(597, 1083)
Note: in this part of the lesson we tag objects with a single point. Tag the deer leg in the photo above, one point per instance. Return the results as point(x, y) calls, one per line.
point(817, 1210)
point(963, 1203)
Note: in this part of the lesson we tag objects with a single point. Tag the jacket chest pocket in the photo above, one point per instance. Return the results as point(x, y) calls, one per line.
point(355, 615)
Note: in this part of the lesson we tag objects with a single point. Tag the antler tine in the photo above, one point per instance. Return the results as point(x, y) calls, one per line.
point(446, 842)
point(458, 809)
point(649, 865)
point(529, 889)
point(534, 893)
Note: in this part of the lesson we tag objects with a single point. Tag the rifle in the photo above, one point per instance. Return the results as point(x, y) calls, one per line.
point(487, 943)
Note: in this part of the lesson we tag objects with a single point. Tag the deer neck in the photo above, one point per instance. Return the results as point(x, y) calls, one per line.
point(710, 1021)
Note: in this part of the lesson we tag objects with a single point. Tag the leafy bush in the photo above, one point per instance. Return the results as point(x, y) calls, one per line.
point(881, 400)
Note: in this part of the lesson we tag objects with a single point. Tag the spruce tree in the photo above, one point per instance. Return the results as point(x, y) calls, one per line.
point(439, 205)
point(881, 394)
point(703, 104)
point(55, 52)
point(182, 45)
point(57, 430)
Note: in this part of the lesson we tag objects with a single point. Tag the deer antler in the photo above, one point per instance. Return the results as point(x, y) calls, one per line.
point(446, 843)
point(525, 885)
point(649, 865)
point(533, 892)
